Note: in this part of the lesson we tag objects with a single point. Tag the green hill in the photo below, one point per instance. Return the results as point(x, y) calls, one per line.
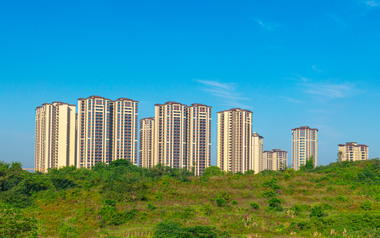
point(123, 200)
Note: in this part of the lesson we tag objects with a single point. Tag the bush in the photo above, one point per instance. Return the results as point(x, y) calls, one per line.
point(234, 202)
point(212, 171)
point(151, 206)
point(254, 205)
point(269, 194)
point(225, 195)
point(367, 206)
point(173, 230)
point(220, 202)
point(13, 223)
point(275, 204)
point(317, 211)
point(207, 209)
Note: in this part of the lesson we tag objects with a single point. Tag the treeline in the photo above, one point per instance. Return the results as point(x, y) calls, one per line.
point(122, 193)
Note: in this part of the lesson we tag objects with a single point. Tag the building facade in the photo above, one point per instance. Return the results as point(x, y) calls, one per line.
point(125, 133)
point(198, 137)
point(256, 161)
point(170, 135)
point(107, 130)
point(55, 136)
point(304, 145)
point(234, 140)
point(352, 151)
point(147, 142)
point(275, 160)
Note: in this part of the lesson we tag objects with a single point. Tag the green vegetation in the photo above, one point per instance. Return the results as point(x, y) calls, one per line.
point(123, 200)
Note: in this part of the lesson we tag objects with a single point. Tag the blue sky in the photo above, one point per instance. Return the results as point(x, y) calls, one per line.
point(293, 63)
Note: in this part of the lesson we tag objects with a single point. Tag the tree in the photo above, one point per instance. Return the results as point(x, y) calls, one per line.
point(308, 165)
point(212, 171)
point(340, 156)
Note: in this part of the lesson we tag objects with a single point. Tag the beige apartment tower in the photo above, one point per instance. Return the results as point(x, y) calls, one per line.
point(146, 142)
point(256, 161)
point(275, 160)
point(198, 138)
point(107, 130)
point(170, 135)
point(304, 145)
point(234, 140)
point(352, 151)
point(125, 134)
point(55, 136)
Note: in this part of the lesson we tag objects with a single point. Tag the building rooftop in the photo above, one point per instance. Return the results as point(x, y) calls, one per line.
point(93, 97)
point(236, 110)
point(352, 144)
point(198, 105)
point(304, 128)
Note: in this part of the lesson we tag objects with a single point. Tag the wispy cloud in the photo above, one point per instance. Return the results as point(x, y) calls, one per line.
point(337, 20)
point(226, 91)
point(315, 69)
point(266, 25)
point(330, 91)
point(373, 3)
point(289, 99)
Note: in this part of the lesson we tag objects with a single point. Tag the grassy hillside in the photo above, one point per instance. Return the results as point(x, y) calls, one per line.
point(122, 200)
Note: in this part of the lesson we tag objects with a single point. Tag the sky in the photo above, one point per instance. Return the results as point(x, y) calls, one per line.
point(293, 63)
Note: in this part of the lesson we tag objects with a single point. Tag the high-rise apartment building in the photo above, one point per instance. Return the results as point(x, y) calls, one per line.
point(178, 136)
point(275, 159)
point(94, 140)
point(125, 134)
point(107, 130)
point(352, 151)
point(147, 142)
point(256, 161)
point(170, 135)
point(304, 145)
point(234, 140)
point(55, 136)
point(198, 137)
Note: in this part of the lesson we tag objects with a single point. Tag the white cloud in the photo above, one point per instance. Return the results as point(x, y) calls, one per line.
point(265, 25)
point(225, 91)
point(331, 91)
point(372, 3)
point(338, 20)
point(291, 99)
point(314, 67)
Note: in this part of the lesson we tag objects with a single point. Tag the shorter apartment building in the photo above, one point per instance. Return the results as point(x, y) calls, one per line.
point(352, 151)
point(275, 160)
point(256, 160)
point(55, 136)
point(304, 145)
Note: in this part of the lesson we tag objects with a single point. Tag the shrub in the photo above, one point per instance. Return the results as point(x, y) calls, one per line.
point(225, 195)
point(367, 206)
point(269, 194)
point(248, 172)
point(341, 198)
point(207, 209)
point(212, 171)
point(13, 223)
point(109, 202)
point(275, 204)
point(220, 202)
point(173, 230)
point(272, 184)
point(317, 211)
point(254, 205)
point(234, 202)
point(151, 206)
